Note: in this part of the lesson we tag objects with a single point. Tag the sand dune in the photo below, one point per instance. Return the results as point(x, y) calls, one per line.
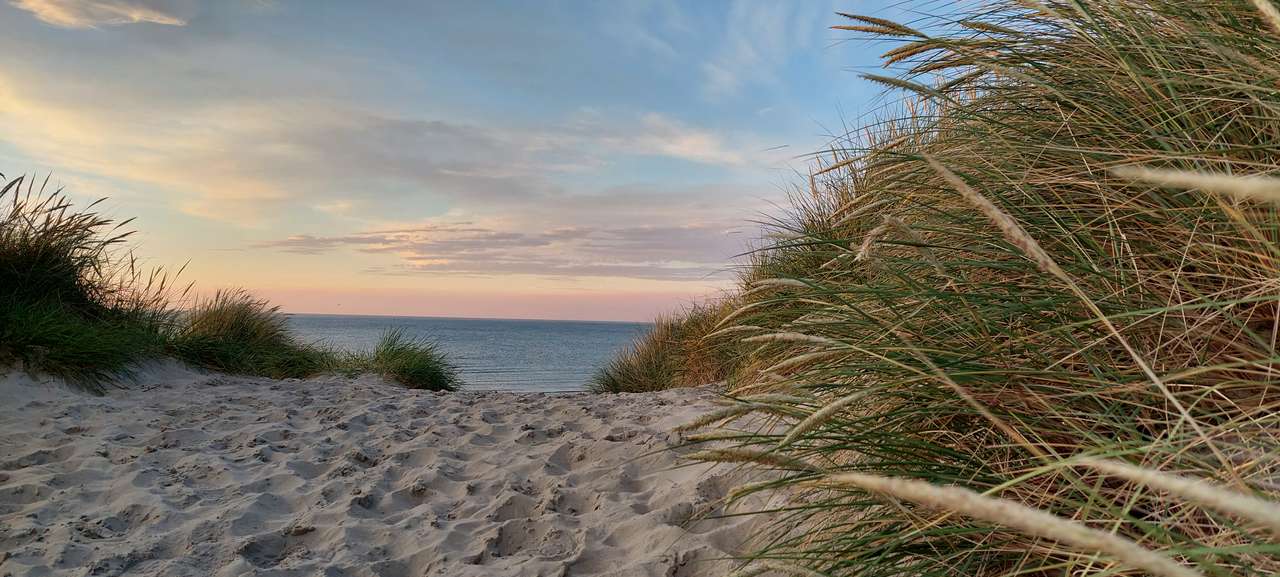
point(191, 474)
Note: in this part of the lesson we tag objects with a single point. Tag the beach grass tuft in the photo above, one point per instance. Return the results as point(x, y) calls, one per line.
point(417, 363)
point(74, 304)
point(1059, 247)
point(679, 351)
point(235, 332)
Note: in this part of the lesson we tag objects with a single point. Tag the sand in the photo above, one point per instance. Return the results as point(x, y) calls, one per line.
point(193, 474)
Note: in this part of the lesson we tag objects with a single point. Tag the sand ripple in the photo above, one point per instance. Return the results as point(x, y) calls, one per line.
point(190, 474)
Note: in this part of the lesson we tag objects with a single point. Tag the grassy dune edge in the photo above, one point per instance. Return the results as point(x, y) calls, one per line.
point(679, 351)
point(1061, 249)
point(74, 304)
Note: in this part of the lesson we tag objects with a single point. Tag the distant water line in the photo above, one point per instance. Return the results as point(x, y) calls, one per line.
point(492, 354)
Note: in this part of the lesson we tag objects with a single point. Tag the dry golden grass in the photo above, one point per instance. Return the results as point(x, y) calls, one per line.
point(681, 350)
point(1065, 248)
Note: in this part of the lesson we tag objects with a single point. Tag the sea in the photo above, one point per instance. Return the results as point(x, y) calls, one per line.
point(491, 354)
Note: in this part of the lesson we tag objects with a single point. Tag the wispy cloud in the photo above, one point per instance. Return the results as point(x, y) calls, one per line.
point(759, 37)
point(655, 134)
point(243, 159)
point(446, 139)
point(669, 138)
point(687, 252)
point(93, 13)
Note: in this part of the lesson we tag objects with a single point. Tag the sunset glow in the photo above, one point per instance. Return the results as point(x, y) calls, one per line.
point(432, 158)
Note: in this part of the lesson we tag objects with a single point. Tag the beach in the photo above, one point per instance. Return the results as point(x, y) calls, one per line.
point(640, 289)
point(189, 473)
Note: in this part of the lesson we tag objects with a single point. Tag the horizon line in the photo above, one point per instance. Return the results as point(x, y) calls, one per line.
point(468, 318)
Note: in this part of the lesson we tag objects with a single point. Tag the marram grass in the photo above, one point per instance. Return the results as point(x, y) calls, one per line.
point(416, 363)
point(1265, 513)
point(74, 304)
point(679, 351)
point(1029, 318)
point(235, 332)
point(1029, 520)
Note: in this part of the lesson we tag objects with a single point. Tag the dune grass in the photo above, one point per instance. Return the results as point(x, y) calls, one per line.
point(75, 305)
point(72, 303)
point(416, 363)
point(234, 332)
point(677, 352)
point(1064, 245)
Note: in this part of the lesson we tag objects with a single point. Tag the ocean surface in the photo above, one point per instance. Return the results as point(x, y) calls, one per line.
point(493, 354)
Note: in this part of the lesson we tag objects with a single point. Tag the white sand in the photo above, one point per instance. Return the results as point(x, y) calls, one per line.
point(190, 474)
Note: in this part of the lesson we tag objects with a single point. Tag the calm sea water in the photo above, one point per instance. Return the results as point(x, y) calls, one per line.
point(522, 355)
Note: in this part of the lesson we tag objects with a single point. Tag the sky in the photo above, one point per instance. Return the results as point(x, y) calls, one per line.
point(555, 159)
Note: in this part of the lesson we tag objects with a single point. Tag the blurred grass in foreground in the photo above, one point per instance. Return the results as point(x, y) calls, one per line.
point(1026, 323)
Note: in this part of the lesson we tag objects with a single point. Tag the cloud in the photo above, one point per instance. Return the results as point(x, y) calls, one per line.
point(760, 36)
point(665, 137)
point(93, 13)
point(247, 160)
point(302, 156)
point(679, 252)
point(659, 135)
point(243, 160)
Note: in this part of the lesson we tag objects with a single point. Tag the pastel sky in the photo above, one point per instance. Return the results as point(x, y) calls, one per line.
point(557, 159)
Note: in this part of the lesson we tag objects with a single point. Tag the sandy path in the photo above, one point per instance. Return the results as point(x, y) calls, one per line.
point(188, 474)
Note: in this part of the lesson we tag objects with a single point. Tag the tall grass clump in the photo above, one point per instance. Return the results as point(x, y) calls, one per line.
point(235, 332)
point(1027, 323)
point(417, 363)
point(679, 351)
point(73, 303)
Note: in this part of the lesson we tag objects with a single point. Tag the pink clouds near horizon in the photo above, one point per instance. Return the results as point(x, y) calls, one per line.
point(483, 159)
point(611, 306)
